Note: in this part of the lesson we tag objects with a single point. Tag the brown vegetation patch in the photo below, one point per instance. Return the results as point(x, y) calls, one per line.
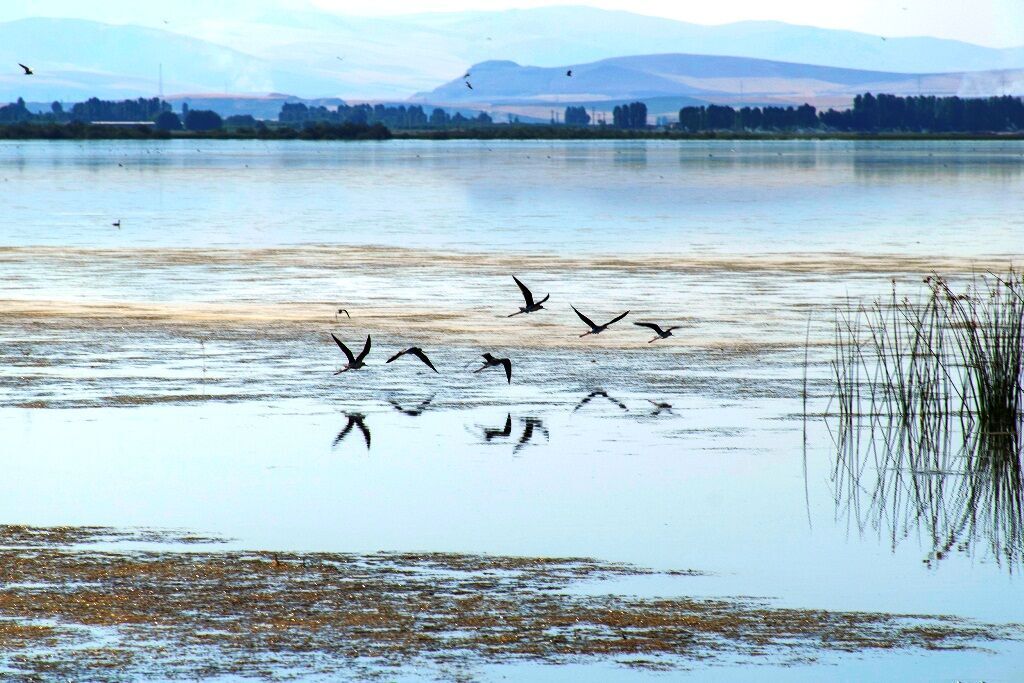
point(83, 614)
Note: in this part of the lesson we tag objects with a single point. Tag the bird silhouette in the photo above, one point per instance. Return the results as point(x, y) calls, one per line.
point(504, 432)
point(412, 412)
point(466, 77)
point(340, 311)
point(117, 223)
point(569, 73)
point(28, 71)
point(598, 329)
point(469, 85)
point(354, 362)
point(414, 351)
point(662, 333)
point(530, 424)
point(531, 306)
point(354, 420)
point(490, 362)
point(599, 393)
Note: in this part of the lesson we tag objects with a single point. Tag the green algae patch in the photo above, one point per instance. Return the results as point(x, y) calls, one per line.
point(71, 611)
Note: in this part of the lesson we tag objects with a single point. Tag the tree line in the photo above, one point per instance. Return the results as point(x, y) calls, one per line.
point(869, 114)
point(396, 118)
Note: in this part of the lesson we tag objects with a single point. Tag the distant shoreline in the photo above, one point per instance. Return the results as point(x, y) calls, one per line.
point(511, 133)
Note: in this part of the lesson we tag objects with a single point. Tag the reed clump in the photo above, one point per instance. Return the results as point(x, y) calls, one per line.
point(927, 398)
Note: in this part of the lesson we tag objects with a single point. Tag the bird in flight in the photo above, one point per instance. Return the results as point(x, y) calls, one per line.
point(354, 362)
point(466, 77)
point(598, 329)
point(531, 305)
point(469, 85)
point(354, 420)
point(414, 351)
point(28, 71)
point(490, 362)
point(569, 73)
point(602, 394)
point(340, 311)
point(412, 412)
point(662, 333)
point(531, 423)
point(491, 433)
point(117, 223)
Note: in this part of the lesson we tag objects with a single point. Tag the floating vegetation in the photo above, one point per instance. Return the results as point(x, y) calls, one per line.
point(82, 613)
point(927, 412)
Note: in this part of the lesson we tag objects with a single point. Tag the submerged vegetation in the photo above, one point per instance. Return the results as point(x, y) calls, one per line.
point(927, 400)
point(71, 611)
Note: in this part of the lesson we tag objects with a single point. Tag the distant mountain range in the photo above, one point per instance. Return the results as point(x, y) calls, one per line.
point(319, 54)
point(700, 79)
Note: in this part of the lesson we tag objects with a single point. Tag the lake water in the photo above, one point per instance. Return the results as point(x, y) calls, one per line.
point(177, 371)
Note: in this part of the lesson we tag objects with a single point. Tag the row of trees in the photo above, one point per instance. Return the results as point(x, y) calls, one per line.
point(630, 116)
point(400, 117)
point(869, 114)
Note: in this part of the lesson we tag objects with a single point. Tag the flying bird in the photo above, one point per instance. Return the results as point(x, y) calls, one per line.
point(414, 351)
point(466, 77)
point(354, 362)
point(662, 333)
point(469, 85)
point(598, 329)
point(412, 412)
point(531, 423)
point(490, 362)
point(28, 71)
point(354, 420)
point(117, 223)
point(340, 311)
point(531, 306)
point(505, 432)
point(602, 394)
point(569, 73)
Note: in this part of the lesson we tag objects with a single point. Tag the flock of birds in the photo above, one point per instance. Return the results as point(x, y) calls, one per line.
point(531, 305)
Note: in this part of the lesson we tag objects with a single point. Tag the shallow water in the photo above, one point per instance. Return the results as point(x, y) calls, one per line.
point(178, 371)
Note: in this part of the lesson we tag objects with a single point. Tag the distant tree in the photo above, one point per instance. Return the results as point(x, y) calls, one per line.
point(167, 120)
point(458, 119)
point(484, 119)
point(203, 120)
point(630, 116)
point(240, 121)
point(15, 112)
point(577, 116)
point(438, 117)
point(57, 109)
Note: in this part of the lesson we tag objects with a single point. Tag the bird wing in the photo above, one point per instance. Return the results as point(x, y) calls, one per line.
point(587, 399)
point(656, 328)
point(527, 294)
point(418, 352)
point(365, 430)
point(588, 321)
point(366, 348)
point(27, 70)
point(507, 431)
point(341, 345)
point(397, 356)
point(508, 369)
point(544, 299)
point(616, 319)
point(527, 435)
point(344, 432)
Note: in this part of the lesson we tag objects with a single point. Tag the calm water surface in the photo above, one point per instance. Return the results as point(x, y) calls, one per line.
point(178, 371)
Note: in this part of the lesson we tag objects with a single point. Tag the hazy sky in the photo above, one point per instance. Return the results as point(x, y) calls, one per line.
point(997, 23)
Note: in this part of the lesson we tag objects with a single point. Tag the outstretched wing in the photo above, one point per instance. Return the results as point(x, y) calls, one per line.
point(527, 435)
point(508, 369)
point(656, 328)
point(344, 349)
point(588, 398)
point(616, 319)
point(366, 349)
point(527, 294)
point(27, 70)
point(365, 430)
point(585, 319)
point(418, 352)
point(344, 432)
point(507, 431)
point(396, 356)
point(544, 299)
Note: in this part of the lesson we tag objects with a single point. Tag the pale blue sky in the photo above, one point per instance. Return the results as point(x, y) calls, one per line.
point(996, 23)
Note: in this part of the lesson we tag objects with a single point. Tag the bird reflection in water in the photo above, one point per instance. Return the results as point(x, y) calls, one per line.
point(416, 410)
point(599, 393)
point(531, 425)
point(504, 432)
point(354, 420)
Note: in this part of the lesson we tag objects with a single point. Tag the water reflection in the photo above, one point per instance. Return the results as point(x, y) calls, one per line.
point(416, 410)
point(354, 420)
point(661, 407)
point(599, 393)
point(530, 425)
point(965, 492)
point(503, 432)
